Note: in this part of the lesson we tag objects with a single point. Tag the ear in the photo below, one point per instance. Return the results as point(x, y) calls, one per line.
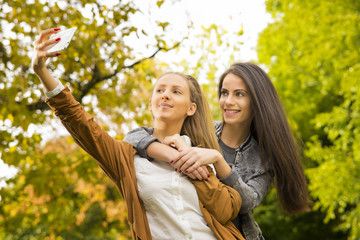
point(191, 110)
point(150, 106)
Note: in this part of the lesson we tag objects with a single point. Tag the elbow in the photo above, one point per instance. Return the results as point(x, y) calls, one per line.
point(234, 207)
point(249, 203)
point(237, 203)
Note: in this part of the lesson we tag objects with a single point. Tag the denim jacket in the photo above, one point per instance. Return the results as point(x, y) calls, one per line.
point(248, 175)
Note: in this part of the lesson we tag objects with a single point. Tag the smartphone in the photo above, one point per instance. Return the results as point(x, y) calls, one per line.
point(65, 36)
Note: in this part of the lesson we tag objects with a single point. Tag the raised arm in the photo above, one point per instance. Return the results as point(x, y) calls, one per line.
point(111, 155)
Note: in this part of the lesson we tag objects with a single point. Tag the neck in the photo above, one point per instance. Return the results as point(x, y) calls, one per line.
point(233, 135)
point(163, 129)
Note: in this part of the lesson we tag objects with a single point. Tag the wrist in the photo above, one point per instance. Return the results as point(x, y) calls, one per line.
point(173, 155)
point(222, 167)
point(41, 71)
point(218, 158)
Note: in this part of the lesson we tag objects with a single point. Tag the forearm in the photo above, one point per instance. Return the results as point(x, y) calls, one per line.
point(47, 80)
point(161, 152)
point(222, 167)
point(252, 192)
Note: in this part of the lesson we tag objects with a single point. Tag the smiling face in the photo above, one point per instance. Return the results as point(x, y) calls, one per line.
point(170, 101)
point(235, 101)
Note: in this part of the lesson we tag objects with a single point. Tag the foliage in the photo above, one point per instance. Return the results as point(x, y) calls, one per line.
point(312, 53)
point(58, 191)
point(210, 52)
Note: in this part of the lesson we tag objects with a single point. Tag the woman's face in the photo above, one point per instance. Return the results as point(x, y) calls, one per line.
point(171, 99)
point(235, 101)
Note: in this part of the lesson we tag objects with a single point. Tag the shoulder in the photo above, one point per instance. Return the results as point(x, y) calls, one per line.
point(251, 162)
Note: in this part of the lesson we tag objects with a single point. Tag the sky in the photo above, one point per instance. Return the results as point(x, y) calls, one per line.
point(231, 14)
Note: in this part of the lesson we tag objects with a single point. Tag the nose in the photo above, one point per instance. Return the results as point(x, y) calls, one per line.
point(165, 95)
point(229, 100)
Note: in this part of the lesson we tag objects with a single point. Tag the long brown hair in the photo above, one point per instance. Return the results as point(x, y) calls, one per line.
point(198, 127)
point(271, 130)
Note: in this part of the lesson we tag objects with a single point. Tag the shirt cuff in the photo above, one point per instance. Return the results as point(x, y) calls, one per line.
point(230, 179)
point(55, 91)
point(144, 143)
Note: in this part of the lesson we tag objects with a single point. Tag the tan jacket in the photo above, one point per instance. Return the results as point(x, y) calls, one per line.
point(219, 203)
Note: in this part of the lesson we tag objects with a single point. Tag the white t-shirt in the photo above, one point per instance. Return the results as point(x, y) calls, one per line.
point(171, 202)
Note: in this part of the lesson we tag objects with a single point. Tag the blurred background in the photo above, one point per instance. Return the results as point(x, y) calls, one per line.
point(51, 189)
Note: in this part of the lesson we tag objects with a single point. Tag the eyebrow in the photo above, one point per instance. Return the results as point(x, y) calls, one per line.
point(172, 86)
point(236, 90)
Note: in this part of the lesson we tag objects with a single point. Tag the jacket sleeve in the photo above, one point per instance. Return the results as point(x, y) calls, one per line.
point(141, 138)
point(110, 154)
point(253, 191)
point(222, 201)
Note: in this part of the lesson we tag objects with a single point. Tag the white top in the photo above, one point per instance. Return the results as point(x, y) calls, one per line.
point(171, 202)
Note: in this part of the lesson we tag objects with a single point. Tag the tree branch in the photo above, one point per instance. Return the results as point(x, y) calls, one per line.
point(97, 78)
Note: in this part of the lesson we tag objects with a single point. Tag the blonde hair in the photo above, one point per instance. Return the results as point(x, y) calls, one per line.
point(198, 127)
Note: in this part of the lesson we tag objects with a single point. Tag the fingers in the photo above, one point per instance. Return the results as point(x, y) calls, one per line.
point(190, 175)
point(43, 46)
point(204, 171)
point(52, 54)
point(47, 33)
point(198, 175)
point(188, 162)
point(44, 35)
point(177, 166)
point(201, 174)
point(168, 140)
point(43, 54)
point(181, 154)
point(190, 166)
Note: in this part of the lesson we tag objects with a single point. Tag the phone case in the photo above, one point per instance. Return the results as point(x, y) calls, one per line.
point(65, 36)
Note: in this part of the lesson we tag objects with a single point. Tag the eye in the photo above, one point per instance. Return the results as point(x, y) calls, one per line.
point(240, 94)
point(159, 90)
point(223, 93)
point(177, 92)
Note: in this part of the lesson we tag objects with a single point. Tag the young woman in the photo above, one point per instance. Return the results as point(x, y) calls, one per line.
point(256, 142)
point(161, 203)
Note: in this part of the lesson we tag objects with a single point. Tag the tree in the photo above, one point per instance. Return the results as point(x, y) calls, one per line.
point(312, 53)
point(59, 192)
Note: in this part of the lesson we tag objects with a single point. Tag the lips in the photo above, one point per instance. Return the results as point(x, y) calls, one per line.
point(165, 105)
point(231, 111)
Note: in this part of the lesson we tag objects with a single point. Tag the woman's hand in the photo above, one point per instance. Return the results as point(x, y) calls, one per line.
point(176, 141)
point(179, 142)
point(40, 54)
point(192, 158)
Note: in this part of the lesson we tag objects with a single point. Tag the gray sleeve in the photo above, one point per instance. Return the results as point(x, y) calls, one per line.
point(253, 191)
point(141, 138)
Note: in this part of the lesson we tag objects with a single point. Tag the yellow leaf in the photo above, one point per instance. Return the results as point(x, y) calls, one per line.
point(12, 149)
point(10, 117)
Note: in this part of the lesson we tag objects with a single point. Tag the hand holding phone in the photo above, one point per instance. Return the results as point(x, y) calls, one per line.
point(65, 38)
